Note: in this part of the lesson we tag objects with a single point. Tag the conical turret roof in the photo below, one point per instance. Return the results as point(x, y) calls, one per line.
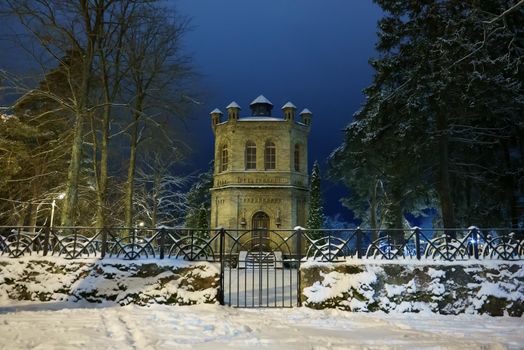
point(289, 105)
point(233, 105)
point(306, 111)
point(261, 100)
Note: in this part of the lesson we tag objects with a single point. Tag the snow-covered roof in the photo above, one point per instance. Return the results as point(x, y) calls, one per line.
point(306, 111)
point(261, 99)
point(289, 105)
point(216, 110)
point(233, 105)
point(260, 119)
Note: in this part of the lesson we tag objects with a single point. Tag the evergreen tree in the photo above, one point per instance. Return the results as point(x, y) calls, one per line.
point(202, 224)
point(199, 198)
point(442, 122)
point(37, 139)
point(316, 212)
point(15, 159)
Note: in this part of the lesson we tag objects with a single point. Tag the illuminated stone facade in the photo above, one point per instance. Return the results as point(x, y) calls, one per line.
point(260, 175)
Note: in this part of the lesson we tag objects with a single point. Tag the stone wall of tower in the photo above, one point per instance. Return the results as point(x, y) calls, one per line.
point(281, 193)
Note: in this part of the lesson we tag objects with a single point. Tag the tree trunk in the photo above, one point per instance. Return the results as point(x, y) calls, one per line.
point(33, 216)
point(110, 92)
point(101, 176)
point(156, 191)
point(21, 216)
point(73, 174)
point(81, 96)
point(103, 167)
point(129, 192)
point(443, 179)
point(373, 212)
point(33, 213)
point(397, 216)
point(509, 187)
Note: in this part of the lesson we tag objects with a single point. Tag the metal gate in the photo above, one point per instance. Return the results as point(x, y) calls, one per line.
point(260, 269)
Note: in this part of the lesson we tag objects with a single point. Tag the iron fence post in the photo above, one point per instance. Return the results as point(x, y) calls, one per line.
point(46, 240)
point(475, 236)
point(221, 252)
point(331, 258)
point(161, 242)
point(417, 242)
point(359, 242)
point(18, 242)
point(104, 243)
point(299, 258)
point(448, 240)
point(75, 233)
point(192, 242)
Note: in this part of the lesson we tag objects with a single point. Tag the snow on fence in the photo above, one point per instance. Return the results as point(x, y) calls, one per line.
point(292, 246)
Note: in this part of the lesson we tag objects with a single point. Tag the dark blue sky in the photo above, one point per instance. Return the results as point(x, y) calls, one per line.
point(313, 53)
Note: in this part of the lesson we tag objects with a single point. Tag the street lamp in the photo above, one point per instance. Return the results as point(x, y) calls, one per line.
point(139, 225)
point(53, 205)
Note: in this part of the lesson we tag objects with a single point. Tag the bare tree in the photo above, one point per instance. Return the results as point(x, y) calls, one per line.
point(157, 71)
point(160, 197)
point(118, 59)
point(61, 28)
point(110, 74)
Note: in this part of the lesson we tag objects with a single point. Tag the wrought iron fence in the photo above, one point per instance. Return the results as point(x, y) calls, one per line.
point(293, 245)
point(417, 243)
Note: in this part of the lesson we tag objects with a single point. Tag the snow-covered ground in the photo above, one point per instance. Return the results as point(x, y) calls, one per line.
point(62, 326)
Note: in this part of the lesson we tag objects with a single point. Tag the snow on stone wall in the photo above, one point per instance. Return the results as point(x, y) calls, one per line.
point(494, 288)
point(114, 281)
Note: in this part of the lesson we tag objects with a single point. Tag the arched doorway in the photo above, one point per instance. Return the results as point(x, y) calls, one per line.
point(260, 226)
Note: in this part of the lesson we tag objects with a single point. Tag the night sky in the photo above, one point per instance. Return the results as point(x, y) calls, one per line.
point(313, 53)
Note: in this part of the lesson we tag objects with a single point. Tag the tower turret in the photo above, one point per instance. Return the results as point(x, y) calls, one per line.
point(216, 114)
point(261, 106)
point(233, 111)
point(289, 111)
point(306, 116)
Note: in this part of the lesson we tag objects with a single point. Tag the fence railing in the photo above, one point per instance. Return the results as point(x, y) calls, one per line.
point(298, 244)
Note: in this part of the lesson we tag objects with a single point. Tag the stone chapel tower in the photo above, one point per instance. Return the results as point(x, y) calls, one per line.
point(260, 178)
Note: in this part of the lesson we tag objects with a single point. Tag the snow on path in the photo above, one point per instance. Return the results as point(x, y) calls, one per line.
point(58, 326)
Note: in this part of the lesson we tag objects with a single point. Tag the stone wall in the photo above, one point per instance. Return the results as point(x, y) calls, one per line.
point(114, 281)
point(449, 288)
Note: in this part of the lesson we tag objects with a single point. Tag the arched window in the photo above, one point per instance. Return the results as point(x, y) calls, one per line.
point(224, 158)
point(270, 156)
point(297, 157)
point(251, 155)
